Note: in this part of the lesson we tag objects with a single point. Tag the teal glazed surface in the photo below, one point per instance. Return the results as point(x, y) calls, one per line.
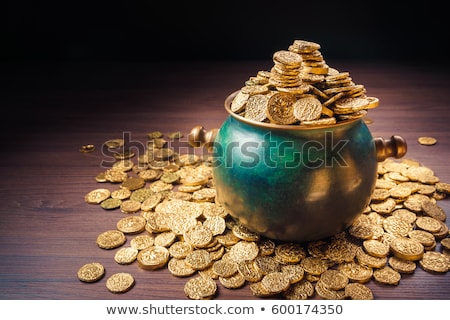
point(294, 185)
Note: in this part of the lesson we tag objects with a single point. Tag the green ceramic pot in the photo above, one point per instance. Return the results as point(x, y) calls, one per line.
point(294, 183)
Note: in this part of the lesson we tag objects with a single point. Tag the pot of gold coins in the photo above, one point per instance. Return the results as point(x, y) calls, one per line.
point(294, 160)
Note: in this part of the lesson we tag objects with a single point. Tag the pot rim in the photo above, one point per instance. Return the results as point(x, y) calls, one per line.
point(230, 98)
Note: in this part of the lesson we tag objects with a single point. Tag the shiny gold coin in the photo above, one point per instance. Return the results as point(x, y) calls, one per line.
point(248, 269)
point(242, 232)
point(280, 108)
point(225, 268)
point(91, 272)
point(133, 183)
point(239, 102)
point(199, 259)
point(115, 175)
point(87, 148)
point(126, 255)
point(327, 293)
point(290, 252)
point(124, 165)
point(368, 260)
point(356, 272)
point(179, 268)
point(433, 261)
point(301, 290)
point(244, 250)
point(433, 210)
point(256, 107)
point(445, 243)
point(334, 279)
point(96, 196)
point(424, 237)
point(120, 282)
point(165, 239)
point(387, 275)
point(153, 258)
point(130, 206)
point(199, 236)
point(180, 249)
point(114, 143)
point(307, 109)
point(111, 239)
point(401, 265)
point(267, 264)
point(131, 224)
point(427, 141)
point(376, 248)
point(121, 194)
point(276, 282)
point(142, 241)
point(358, 291)
point(313, 265)
point(407, 249)
point(111, 204)
point(200, 288)
point(234, 281)
point(428, 224)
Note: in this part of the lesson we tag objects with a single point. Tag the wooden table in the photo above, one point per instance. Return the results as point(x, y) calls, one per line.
point(47, 230)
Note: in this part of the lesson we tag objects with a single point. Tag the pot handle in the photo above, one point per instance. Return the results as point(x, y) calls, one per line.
point(199, 136)
point(393, 147)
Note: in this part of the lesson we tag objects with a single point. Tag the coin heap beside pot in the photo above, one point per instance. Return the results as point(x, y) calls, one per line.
point(302, 89)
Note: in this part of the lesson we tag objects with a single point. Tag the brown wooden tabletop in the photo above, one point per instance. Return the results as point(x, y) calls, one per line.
point(48, 231)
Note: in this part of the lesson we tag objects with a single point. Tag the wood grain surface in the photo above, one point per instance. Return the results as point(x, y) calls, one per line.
point(48, 231)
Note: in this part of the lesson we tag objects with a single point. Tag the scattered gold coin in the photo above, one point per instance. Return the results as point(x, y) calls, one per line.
point(427, 141)
point(120, 282)
point(91, 272)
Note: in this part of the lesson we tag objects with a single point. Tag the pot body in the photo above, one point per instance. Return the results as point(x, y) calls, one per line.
point(294, 185)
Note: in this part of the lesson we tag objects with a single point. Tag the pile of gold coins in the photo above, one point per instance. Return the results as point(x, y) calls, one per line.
point(168, 217)
point(302, 89)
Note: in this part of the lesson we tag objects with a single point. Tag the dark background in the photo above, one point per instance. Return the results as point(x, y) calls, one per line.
point(221, 30)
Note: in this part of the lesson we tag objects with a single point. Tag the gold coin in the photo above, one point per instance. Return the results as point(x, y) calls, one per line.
point(126, 255)
point(180, 249)
point(120, 282)
point(97, 196)
point(111, 239)
point(131, 224)
point(402, 266)
point(433, 261)
point(368, 260)
point(248, 269)
point(242, 232)
point(225, 268)
point(114, 143)
point(314, 266)
point(199, 259)
point(130, 206)
point(256, 107)
point(295, 272)
point(200, 288)
point(327, 293)
point(334, 279)
point(356, 272)
point(234, 281)
point(239, 102)
point(407, 249)
point(179, 268)
point(358, 291)
point(427, 141)
point(276, 282)
point(115, 175)
point(198, 236)
point(287, 57)
point(87, 148)
point(376, 248)
point(301, 290)
point(387, 275)
point(433, 210)
point(153, 258)
point(266, 264)
point(165, 239)
point(121, 194)
point(244, 250)
point(290, 252)
point(142, 241)
point(280, 108)
point(91, 272)
point(111, 203)
point(133, 183)
point(307, 109)
point(428, 224)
